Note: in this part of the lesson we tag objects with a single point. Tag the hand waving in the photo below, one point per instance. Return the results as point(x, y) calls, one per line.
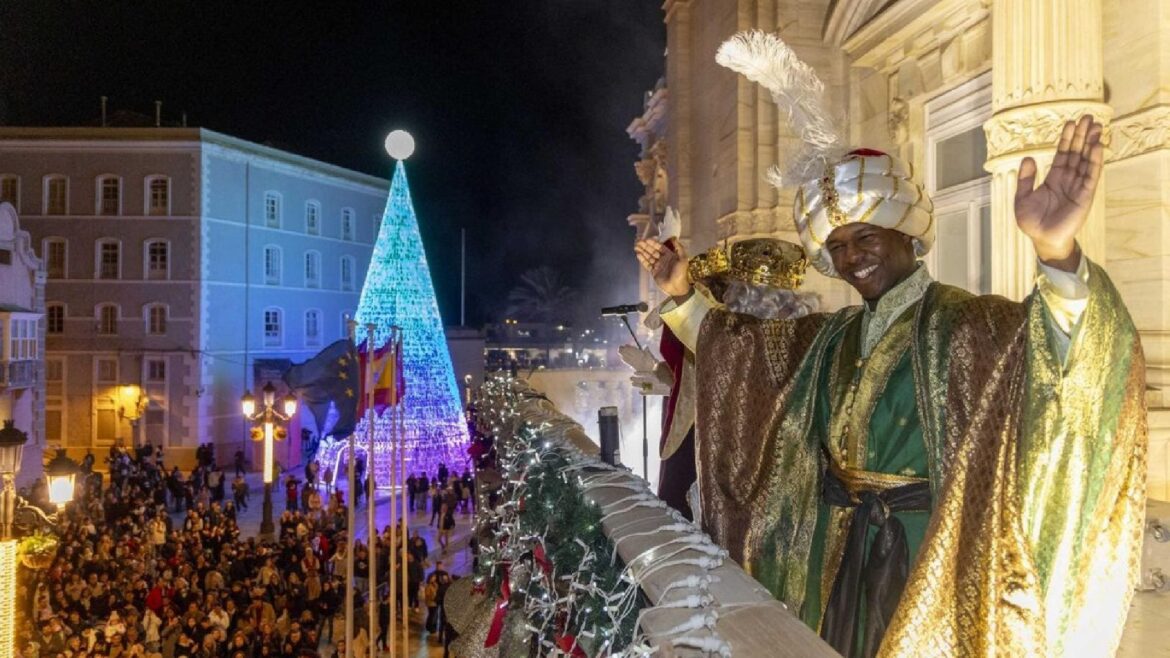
point(1052, 214)
point(669, 268)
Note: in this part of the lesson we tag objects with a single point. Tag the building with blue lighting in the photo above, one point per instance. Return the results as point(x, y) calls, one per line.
point(183, 265)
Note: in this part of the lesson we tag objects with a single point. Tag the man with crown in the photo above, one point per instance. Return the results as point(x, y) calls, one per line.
point(931, 472)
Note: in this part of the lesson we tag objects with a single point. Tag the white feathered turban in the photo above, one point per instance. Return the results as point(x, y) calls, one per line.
point(868, 187)
point(861, 186)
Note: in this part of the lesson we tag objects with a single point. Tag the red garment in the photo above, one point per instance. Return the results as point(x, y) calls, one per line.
point(154, 600)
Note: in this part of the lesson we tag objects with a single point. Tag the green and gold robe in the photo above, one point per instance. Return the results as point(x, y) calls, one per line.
point(1033, 443)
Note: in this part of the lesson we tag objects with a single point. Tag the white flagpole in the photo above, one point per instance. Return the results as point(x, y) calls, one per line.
point(371, 526)
point(398, 438)
point(393, 488)
point(350, 523)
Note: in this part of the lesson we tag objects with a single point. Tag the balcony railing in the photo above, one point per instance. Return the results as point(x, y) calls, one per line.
point(18, 374)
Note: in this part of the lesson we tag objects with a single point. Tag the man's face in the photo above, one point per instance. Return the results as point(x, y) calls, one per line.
point(870, 258)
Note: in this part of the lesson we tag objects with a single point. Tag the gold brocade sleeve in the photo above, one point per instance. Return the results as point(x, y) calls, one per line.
point(1038, 474)
point(1082, 470)
point(745, 368)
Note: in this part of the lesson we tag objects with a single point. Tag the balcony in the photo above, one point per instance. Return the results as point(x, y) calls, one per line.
point(18, 374)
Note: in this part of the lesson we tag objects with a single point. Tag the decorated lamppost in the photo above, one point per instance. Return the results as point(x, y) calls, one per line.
point(268, 429)
point(60, 473)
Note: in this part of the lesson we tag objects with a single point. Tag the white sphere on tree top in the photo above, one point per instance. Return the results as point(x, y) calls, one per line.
point(399, 144)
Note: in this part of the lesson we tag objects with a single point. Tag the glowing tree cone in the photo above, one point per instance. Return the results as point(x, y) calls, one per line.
point(398, 292)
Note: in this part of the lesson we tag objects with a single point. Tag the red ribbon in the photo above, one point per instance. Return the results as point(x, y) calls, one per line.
point(541, 558)
point(568, 644)
point(497, 627)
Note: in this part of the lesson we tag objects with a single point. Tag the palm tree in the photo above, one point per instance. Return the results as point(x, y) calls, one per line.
point(542, 298)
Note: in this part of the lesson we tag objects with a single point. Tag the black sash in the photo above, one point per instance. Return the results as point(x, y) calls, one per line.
point(884, 572)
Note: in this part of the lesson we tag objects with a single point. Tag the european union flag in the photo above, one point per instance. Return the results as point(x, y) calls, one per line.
point(331, 377)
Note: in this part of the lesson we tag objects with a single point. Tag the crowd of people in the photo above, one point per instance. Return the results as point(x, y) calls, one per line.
point(151, 563)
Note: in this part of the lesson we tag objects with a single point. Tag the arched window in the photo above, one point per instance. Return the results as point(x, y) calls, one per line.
point(158, 195)
point(312, 269)
point(347, 267)
point(54, 318)
point(107, 319)
point(56, 201)
point(108, 261)
point(272, 209)
point(312, 218)
point(272, 261)
point(109, 195)
point(348, 230)
point(273, 327)
point(56, 253)
point(312, 328)
point(157, 257)
point(156, 319)
point(10, 190)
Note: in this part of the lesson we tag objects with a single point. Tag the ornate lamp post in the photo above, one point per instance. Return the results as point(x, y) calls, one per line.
point(60, 472)
point(267, 430)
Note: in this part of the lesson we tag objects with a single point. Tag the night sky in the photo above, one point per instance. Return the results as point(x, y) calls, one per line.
point(518, 108)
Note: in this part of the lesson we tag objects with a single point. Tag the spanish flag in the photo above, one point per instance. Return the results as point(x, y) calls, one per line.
point(389, 383)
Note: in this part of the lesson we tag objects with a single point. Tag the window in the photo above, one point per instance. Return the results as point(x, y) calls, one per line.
point(22, 339)
point(54, 318)
point(272, 209)
point(10, 190)
point(313, 328)
point(273, 336)
point(107, 370)
point(312, 269)
point(156, 319)
point(109, 259)
point(109, 195)
point(347, 268)
point(157, 259)
point(272, 265)
point(158, 195)
point(56, 195)
point(156, 370)
point(347, 224)
point(107, 317)
point(5, 256)
point(956, 149)
point(55, 251)
point(54, 399)
point(313, 218)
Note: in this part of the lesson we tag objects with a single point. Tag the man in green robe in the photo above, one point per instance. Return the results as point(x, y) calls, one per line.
point(933, 472)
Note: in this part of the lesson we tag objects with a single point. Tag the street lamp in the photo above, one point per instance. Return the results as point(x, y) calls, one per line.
point(133, 403)
point(268, 431)
point(60, 473)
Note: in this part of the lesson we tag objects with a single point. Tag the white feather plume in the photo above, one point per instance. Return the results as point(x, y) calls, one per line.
point(671, 225)
point(765, 58)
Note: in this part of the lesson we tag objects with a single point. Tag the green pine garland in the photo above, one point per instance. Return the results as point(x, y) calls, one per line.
point(543, 504)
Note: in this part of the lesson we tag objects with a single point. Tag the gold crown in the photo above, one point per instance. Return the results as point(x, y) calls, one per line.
point(762, 261)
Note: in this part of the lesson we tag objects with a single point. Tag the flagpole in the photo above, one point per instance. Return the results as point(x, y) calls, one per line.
point(397, 436)
point(393, 488)
point(371, 526)
point(351, 522)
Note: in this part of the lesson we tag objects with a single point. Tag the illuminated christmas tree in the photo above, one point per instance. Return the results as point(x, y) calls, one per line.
point(398, 292)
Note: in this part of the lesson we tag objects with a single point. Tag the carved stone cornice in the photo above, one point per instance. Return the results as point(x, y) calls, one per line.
point(1037, 127)
point(745, 224)
point(1140, 132)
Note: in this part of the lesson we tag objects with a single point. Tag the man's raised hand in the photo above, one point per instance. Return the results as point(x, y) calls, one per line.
point(1052, 213)
point(669, 268)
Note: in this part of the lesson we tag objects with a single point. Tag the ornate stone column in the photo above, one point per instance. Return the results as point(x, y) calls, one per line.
point(1046, 69)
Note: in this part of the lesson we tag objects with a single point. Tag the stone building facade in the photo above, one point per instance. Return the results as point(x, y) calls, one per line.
point(22, 302)
point(961, 89)
point(176, 259)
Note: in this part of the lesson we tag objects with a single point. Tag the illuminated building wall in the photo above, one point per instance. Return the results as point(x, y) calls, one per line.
point(398, 292)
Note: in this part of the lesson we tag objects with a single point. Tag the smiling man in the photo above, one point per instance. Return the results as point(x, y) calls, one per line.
point(930, 472)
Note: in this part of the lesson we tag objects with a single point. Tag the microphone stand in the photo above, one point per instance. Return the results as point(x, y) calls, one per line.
point(645, 439)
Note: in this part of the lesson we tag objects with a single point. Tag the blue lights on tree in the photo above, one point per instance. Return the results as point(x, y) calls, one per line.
point(398, 292)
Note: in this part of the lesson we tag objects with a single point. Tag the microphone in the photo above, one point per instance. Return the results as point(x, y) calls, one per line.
point(622, 309)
